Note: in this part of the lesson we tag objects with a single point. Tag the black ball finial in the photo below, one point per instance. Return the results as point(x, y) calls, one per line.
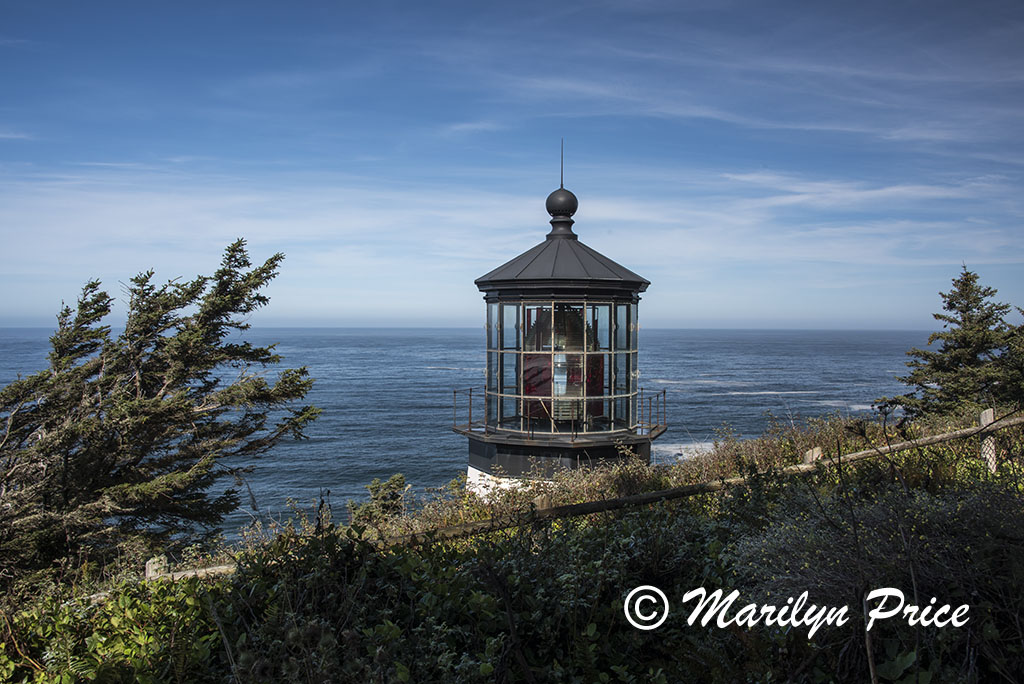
point(562, 203)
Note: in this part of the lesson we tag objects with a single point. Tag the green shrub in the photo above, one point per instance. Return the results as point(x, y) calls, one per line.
point(314, 601)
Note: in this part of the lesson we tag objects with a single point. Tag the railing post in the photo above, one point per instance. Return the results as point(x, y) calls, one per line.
point(156, 566)
point(455, 407)
point(471, 408)
point(812, 455)
point(988, 444)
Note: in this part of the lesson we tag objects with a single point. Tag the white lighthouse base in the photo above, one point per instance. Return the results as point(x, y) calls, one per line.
point(483, 484)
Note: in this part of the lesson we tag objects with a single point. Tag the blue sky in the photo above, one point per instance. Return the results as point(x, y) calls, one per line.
point(795, 165)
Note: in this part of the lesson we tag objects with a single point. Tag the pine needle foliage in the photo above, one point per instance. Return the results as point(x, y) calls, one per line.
point(977, 360)
point(122, 437)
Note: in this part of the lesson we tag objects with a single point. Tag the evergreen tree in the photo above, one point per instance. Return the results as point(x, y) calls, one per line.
point(1011, 366)
point(972, 365)
point(122, 437)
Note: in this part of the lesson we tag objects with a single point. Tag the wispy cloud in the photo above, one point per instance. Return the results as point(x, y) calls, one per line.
point(832, 194)
point(466, 127)
point(597, 97)
point(340, 233)
point(893, 82)
point(739, 156)
point(111, 165)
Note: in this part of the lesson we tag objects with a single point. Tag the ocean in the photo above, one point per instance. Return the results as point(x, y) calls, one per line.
point(386, 396)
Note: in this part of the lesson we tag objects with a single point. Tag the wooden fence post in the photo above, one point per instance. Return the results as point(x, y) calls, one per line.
point(156, 566)
point(988, 444)
point(812, 455)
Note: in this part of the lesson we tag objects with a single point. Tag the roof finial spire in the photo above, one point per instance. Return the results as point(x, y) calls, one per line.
point(561, 205)
point(561, 170)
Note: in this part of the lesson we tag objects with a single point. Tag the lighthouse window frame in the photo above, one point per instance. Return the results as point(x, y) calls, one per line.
point(599, 327)
point(493, 325)
point(510, 326)
point(572, 369)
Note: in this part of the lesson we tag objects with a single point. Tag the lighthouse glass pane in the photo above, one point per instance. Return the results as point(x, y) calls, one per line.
point(622, 374)
point(634, 373)
point(492, 326)
point(621, 326)
point(537, 415)
point(537, 330)
point(510, 418)
point(599, 327)
point(492, 372)
point(567, 375)
point(599, 415)
point(599, 375)
point(537, 375)
point(509, 326)
point(634, 329)
point(492, 410)
point(567, 387)
point(510, 373)
point(622, 417)
point(568, 415)
point(568, 327)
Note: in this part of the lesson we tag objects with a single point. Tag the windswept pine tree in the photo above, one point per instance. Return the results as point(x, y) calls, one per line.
point(977, 361)
point(122, 438)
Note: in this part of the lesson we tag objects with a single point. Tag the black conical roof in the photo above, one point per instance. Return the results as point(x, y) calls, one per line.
point(562, 262)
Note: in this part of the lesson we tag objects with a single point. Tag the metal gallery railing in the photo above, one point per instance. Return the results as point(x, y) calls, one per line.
point(649, 414)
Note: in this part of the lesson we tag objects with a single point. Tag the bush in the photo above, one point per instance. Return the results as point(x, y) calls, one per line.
point(544, 601)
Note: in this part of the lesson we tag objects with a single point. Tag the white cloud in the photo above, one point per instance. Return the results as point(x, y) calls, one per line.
point(472, 127)
point(396, 253)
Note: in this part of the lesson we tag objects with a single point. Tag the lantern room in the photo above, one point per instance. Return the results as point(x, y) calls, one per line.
point(562, 375)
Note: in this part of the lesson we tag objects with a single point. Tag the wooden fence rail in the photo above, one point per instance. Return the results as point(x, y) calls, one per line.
point(541, 512)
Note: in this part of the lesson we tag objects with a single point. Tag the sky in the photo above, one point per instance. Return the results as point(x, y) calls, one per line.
point(764, 165)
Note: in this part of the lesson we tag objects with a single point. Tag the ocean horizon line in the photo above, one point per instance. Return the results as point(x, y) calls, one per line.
point(472, 327)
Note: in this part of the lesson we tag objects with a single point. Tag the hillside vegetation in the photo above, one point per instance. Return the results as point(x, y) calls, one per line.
point(320, 602)
point(314, 600)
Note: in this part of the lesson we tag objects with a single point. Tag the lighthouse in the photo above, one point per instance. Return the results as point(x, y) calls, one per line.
point(562, 378)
